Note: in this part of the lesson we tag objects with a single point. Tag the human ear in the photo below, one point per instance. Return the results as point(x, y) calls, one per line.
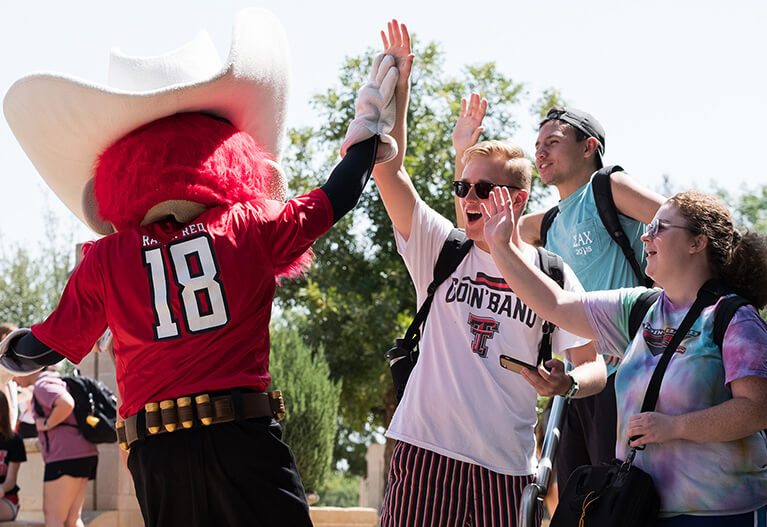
point(698, 243)
point(591, 146)
point(519, 200)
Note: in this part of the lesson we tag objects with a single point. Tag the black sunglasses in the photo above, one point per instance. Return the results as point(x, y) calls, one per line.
point(483, 188)
point(555, 113)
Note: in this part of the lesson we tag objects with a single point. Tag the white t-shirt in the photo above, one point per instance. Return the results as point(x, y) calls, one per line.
point(459, 401)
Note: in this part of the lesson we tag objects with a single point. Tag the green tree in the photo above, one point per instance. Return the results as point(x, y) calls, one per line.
point(31, 281)
point(311, 403)
point(21, 292)
point(358, 296)
point(752, 208)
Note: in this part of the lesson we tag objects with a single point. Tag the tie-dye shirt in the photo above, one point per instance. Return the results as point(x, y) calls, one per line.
point(692, 477)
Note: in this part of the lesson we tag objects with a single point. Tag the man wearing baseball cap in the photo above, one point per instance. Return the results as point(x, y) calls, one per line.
point(582, 122)
point(568, 153)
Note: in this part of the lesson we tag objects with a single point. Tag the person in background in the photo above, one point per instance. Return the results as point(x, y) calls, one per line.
point(25, 426)
point(12, 455)
point(70, 459)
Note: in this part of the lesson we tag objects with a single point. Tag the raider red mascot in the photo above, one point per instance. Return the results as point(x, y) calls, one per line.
point(175, 162)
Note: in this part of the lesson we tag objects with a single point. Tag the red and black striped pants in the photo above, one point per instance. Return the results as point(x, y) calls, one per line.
point(426, 489)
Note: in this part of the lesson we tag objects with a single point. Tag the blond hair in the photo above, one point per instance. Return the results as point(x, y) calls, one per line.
point(517, 166)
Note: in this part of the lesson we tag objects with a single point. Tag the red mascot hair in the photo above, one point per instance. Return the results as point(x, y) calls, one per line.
point(189, 156)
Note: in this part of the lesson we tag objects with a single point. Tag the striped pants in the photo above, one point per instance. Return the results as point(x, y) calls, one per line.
point(426, 489)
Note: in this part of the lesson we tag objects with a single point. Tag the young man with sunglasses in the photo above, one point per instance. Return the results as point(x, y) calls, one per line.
point(464, 427)
point(569, 151)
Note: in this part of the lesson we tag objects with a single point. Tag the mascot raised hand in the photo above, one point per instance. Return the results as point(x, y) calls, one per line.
point(176, 163)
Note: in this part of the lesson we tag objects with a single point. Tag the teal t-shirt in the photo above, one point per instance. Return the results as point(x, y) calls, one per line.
point(579, 237)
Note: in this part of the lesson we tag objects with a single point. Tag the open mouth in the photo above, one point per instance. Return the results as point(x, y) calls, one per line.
point(471, 217)
point(651, 253)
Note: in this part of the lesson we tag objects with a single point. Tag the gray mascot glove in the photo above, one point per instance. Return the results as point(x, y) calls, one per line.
point(13, 365)
point(375, 110)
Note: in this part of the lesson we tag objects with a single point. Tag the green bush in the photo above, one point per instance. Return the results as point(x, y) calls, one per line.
point(311, 402)
point(341, 490)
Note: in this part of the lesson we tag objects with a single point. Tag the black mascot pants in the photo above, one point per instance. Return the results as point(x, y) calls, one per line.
point(228, 475)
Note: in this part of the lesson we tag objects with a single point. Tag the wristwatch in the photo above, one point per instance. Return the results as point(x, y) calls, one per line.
point(570, 393)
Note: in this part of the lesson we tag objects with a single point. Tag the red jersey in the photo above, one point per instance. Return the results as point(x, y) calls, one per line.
point(189, 307)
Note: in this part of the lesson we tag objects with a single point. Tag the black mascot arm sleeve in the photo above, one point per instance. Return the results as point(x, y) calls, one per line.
point(348, 179)
point(28, 347)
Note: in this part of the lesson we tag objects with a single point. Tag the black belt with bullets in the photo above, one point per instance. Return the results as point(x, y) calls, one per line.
point(200, 410)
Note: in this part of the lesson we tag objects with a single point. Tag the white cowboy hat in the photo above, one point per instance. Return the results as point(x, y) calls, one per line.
point(64, 123)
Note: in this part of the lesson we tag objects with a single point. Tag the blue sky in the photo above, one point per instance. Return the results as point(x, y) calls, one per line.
point(678, 85)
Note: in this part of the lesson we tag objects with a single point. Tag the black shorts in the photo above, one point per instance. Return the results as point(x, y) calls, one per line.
point(237, 474)
point(83, 467)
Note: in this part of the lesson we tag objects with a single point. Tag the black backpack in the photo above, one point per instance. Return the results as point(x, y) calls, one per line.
point(608, 213)
point(404, 355)
point(724, 313)
point(95, 408)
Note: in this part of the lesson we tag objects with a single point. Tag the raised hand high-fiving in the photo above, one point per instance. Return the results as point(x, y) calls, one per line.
point(397, 44)
point(375, 110)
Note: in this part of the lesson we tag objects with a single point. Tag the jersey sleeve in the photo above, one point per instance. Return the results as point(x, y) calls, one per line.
point(293, 226)
point(744, 347)
point(80, 318)
point(16, 450)
point(608, 313)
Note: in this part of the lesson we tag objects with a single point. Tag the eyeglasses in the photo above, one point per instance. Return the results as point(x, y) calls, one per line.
point(483, 188)
point(656, 226)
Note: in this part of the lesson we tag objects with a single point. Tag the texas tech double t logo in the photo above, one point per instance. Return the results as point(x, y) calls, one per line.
point(482, 329)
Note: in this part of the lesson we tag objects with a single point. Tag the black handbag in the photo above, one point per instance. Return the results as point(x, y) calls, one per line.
point(619, 493)
point(612, 494)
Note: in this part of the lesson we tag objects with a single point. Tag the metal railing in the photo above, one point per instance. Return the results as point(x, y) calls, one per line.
point(537, 490)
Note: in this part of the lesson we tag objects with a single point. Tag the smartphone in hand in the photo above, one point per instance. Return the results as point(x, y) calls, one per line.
point(515, 365)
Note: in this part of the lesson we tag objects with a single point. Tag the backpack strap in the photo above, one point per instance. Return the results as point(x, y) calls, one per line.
point(39, 411)
point(453, 251)
point(640, 308)
point(608, 213)
point(724, 313)
point(546, 221)
point(554, 267)
point(708, 294)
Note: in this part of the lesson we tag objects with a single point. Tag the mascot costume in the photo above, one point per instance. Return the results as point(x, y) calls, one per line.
point(176, 163)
